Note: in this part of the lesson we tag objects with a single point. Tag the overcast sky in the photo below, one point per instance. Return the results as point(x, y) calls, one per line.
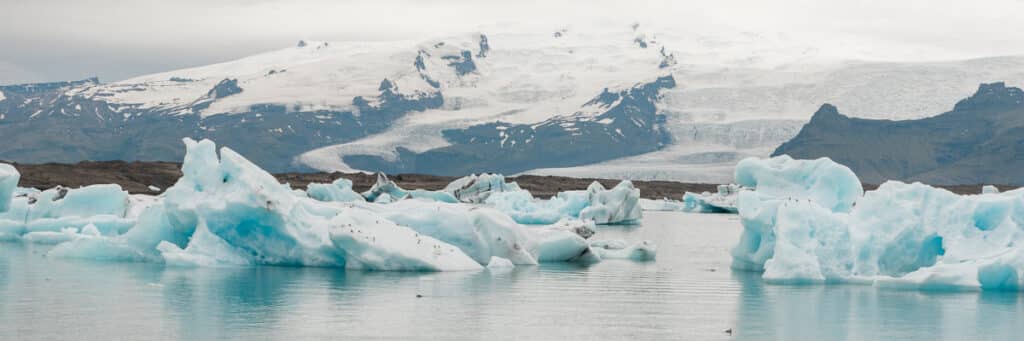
point(43, 40)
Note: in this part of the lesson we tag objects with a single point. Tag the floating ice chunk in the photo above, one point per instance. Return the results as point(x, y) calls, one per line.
point(383, 198)
point(483, 232)
point(620, 205)
point(829, 184)
point(52, 238)
point(989, 189)
point(432, 196)
point(499, 263)
point(723, 201)
point(153, 188)
point(661, 205)
point(385, 186)
point(204, 249)
point(522, 207)
point(229, 212)
point(82, 202)
point(8, 183)
point(900, 235)
point(477, 188)
point(383, 245)
point(617, 249)
point(338, 191)
point(387, 191)
point(137, 203)
point(58, 208)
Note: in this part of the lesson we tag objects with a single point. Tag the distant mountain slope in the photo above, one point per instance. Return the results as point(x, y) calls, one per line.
point(980, 141)
point(513, 100)
point(614, 124)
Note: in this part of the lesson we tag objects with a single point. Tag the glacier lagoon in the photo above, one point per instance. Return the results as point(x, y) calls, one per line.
point(689, 292)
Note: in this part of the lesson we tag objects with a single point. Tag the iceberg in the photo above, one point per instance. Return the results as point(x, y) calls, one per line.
point(900, 235)
point(499, 263)
point(664, 204)
point(387, 191)
point(385, 186)
point(619, 205)
point(483, 232)
point(53, 210)
point(642, 251)
point(827, 183)
point(339, 190)
point(723, 201)
point(226, 211)
point(8, 183)
point(477, 188)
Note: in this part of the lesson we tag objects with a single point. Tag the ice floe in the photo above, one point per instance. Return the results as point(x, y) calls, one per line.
point(619, 205)
point(806, 222)
point(226, 211)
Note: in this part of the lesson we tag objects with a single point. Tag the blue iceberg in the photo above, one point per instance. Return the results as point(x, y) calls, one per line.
point(226, 211)
point(619, 205)
point(806, 222)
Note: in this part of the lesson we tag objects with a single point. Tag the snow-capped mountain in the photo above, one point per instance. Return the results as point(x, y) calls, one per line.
point(611, 101)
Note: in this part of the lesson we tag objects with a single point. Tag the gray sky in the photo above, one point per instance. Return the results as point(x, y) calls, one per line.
point(43, 40)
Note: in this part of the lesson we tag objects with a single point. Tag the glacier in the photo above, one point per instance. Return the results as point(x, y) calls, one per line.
point(226, 211)
point(806, 221)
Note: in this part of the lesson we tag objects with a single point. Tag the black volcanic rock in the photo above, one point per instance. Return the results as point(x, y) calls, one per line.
point(980, 141)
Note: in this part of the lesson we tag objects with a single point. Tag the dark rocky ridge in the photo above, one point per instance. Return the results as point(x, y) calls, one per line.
point(136, 177)
point(980, 141)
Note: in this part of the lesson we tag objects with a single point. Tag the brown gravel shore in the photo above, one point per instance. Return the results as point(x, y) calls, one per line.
point(136, 177)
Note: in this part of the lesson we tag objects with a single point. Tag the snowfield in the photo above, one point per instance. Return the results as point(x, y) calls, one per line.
point(739, 94)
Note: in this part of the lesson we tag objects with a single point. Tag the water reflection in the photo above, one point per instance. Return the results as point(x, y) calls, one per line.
point(688, 293)
point(863, 312)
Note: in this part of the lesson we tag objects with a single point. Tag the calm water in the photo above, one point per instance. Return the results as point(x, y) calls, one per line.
point(689, 293)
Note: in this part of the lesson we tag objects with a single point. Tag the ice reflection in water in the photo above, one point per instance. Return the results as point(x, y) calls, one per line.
point(688, 293)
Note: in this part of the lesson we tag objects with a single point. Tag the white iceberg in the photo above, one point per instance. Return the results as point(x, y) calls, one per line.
point(500, 263)
point(642, 251)
point(903, 235)
point(722, 201)
point(477, 188)
point(8, 183)
point(55, 209)
point(664, 204)
point(827, 183)
point(339, 190)
point(619, 205)
point(386, 191)
point(225, 211)
point(482, 232)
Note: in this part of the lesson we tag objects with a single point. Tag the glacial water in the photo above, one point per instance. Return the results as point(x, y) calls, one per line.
point(688, 293)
